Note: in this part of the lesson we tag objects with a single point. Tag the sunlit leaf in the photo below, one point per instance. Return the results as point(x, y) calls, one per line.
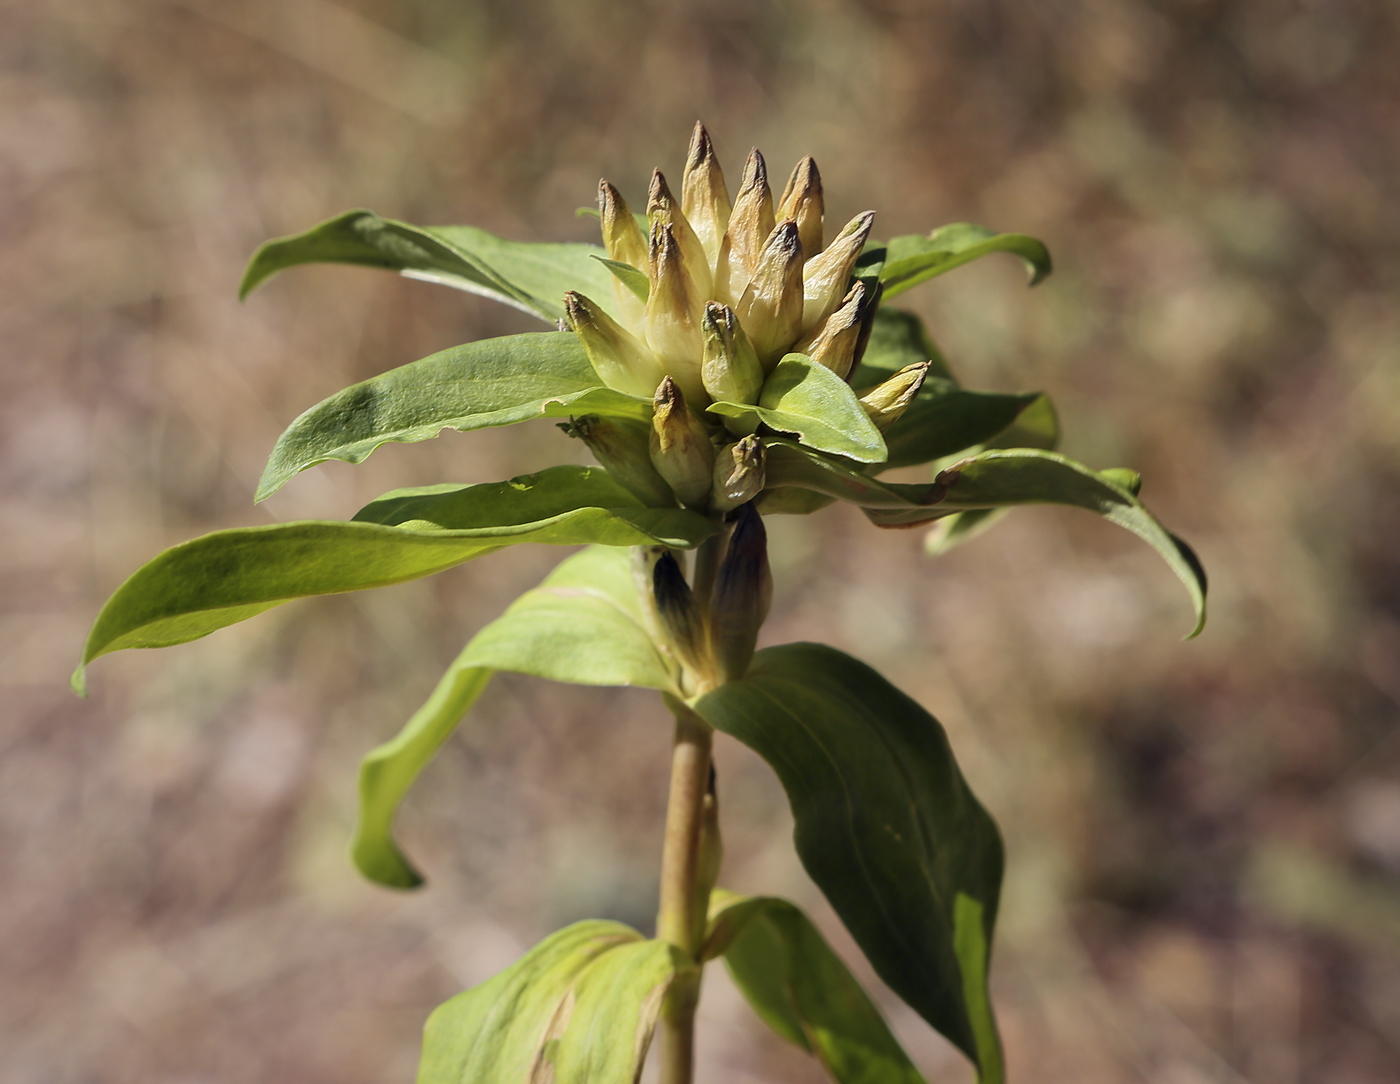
point(884, 824)
point(527, 275)
point(629, 276)
point(912, 259)
point(580, 1006)
point(583, 625)
point(473, 386)
point(800, 988)
point(809, 401)
point(897, 339)
point(790, 465)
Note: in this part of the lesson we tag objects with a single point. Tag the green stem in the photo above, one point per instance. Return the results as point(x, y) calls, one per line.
point(677, 918)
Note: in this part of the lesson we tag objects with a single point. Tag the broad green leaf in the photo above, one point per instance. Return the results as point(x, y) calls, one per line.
point(582, 625)
point(791, 465)
point(197, 587)
point(1006, 477)
point(629, 276)
point(473, 386)
point(800, 988)
point(791, 501)
point(578, 1007)
point(912, 259)
point(885, 825)
point(808, 400)
point(529, 276)
point(897, 339)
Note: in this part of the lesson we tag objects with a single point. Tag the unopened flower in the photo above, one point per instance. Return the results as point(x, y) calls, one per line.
point(802, 202)
point(680, 447)
point(749, 226)
point(730, 369)
point(704, 195)
point(623, 447)
point(739, 473)
point(771, 308)
point(619, 358)
point(824, 278)
point(743, 594)
point(833, 342)
point(673, 314)
point(887, 402)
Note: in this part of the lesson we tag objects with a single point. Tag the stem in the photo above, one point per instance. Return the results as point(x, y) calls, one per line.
point(677, 918)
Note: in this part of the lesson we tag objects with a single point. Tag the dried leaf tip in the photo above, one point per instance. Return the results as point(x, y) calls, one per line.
point(887, 401)
point(704, 195)
point(802, 202)
point(825, 277)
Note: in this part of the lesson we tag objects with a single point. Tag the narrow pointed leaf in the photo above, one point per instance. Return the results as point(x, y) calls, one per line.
point(579, 1006)
point(473, 386)
point(529, 276)
point(913, 259)
point(790, 465)
point(885, 825)
point(195, 588)
point(800, 988)
point(1004, 478)
point(629, 276)
point(582, 625)
point(811, 402)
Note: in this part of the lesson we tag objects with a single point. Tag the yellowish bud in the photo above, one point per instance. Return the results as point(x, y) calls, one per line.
point(680, 447)
point(771, 308)
point(886, 402)
point(730, 368)
point(662, 208)
point(833, 342)
point(825, 277)
point(739, 473)
point(704, 195)
point(749, 226)
point(622, 446)
point(802, 202)
point(621, 360)
point(625, 243)
point(673, 315)
point(743, 594)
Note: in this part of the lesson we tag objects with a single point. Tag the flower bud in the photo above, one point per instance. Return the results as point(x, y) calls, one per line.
point(663, 208)
point(621, 360)
point(622, 446)
point(743, 593)
point(673, 315)
point(771, 308)
point(730, 368)
point(749, 226)
point(704, 195)
point(739, 474)
point(833, 342)
point(825, 277)
point(802, 202)
point(625, 243)
point(682, 624)
point(680, 448)
point(887, 402)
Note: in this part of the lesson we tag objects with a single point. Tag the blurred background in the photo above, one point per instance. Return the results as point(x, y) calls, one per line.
point(1204, 837)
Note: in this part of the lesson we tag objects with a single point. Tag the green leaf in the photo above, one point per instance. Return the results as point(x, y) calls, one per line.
point(629, 276)
point(800, 988)
point(912, 259)
point(583, 625)
point(791, 465)
point(808, 400)
point(897, 339)
point(194, 588)
point(529, 276)
point(473, 386)
point(885, 825)
point(579, 1006)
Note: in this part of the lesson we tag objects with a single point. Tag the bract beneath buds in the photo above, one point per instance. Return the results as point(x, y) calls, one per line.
point(620, 359)
point(750, 225)
point(704, 195)
point(730, 368)
point(833, 342)
point(825, 277)
point(802, 202)
point(739, 474)
point(887, 402)
point(673, 315)
point(772, 305)
point(680, 447)
point(623, 447)
point(743, 594)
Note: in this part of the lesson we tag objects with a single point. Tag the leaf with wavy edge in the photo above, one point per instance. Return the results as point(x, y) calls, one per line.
point(800, 988)
point(583, 625)
point(197, 587)
point(530, 276)
point(885, 825)
point(913, 259)
point(473, 386)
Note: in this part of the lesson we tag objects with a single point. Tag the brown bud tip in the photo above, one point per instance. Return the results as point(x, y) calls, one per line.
point(886, 403)
point(743, 594)
point(755, 173)
point(659, 193)
point(700, 148)
point(677, 609)
point(668, 395)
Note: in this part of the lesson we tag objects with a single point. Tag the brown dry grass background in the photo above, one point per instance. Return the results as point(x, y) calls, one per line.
point(1204, 838)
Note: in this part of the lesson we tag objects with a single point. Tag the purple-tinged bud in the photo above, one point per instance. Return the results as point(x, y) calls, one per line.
point(825, 277)
point(704, 195)
point(749, 226)
point(730, 368)
point(621, 360)
point(867, 321)
point(833, 342)
point(680, 447)
point(739, 473)
point(802, 202)
point(682, 623)
point(771, 308)
point(886, 402)
point(663, 208)
point(743, 594)
point(673, 316)
point(622, 446)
